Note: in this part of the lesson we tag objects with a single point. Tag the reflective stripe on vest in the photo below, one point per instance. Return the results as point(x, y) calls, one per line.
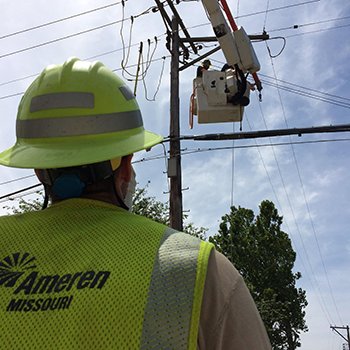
point(171, 293)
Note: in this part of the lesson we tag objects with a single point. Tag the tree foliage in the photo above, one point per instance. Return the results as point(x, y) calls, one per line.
point(158, 211)
point(24, 205)
point(263, 254)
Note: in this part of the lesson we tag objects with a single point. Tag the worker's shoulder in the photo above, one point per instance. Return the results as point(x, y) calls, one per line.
point(222, 271)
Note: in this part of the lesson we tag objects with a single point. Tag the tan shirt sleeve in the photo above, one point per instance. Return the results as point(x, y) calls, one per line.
point(229, 318)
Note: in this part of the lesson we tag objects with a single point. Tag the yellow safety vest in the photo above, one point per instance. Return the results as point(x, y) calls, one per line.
point(85, 274)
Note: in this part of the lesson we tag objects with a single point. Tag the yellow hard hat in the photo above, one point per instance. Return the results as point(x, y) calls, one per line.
point(76, 113)
point(206, 61)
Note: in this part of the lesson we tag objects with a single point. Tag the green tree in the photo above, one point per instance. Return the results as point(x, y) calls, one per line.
point(158, 211)
point(24, 205)
point(263, 254)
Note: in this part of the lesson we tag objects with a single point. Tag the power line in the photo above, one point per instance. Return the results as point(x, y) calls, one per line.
point(308, 95)
point(198, 150)
point(18, 179)
point(59, 39)
point(73, 35)
point(289, 230)
point(12, 95)
point(277, 9)
point(19, 196)
point(317, 31)
point(88, 58)
point(289, 36)
point(19, 191)
point(19, 79)
point(297, 26)
point(305, 88)
point(279, 204)
point(305, 199)
point(113, 70)
point(210, 149)
point(266, 11)
point(106, 25)
point(35, 75)
point(59, 20)
point(112, 51)
point(309, 92)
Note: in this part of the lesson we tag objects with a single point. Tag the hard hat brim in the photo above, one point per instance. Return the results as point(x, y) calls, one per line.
point(53, 152)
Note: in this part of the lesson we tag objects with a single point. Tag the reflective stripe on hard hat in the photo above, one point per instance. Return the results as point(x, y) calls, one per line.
point(125, 90)
point(62, 100)
point(78, 125)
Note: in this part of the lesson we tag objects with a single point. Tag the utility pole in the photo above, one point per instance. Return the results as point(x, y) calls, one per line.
point(174, 162)
point(347, 331)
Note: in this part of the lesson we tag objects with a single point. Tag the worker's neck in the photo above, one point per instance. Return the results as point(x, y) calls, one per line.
point(106, 197)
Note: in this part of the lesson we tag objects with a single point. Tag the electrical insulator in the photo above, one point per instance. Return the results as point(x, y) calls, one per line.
point(168, 42)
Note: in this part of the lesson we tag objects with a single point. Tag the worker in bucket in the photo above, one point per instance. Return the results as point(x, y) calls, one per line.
point(204, 67)
point(85, 273)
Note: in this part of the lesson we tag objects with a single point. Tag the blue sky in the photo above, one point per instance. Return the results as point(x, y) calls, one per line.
point(308, 181)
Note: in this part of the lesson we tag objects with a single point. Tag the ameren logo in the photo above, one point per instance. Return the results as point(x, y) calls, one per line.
point(31, 288)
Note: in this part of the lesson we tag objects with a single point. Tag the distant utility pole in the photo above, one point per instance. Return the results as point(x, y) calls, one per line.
point(174, 164)
point(347, 331)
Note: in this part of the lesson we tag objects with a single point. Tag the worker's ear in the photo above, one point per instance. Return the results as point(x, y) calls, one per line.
point(126, 168)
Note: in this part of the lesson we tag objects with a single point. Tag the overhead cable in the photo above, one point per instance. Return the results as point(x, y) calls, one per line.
point(297, 26)
point(59, 39)
point(125, 58)
point(12, 95)
point(19, 191)
point(295, 90)
point(305, 199)
point(18, 196)
point(277, 9)
point(109, 24)
point(201, 150)
point(68, 36)
point(18, 179)
point(317, 31)
point(289, 36)
point(305, 88)
point(292, 211)
point(87, 59)
point(158, 86)
point(308, 95)
point(113, 70)
point(19, 79)
point(266, 11)
point(59, 20)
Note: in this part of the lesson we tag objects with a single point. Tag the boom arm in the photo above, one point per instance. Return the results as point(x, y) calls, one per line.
point(235, 45)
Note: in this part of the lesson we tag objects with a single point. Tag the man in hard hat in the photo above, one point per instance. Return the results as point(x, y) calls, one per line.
point(204, 67)
point(85, 273)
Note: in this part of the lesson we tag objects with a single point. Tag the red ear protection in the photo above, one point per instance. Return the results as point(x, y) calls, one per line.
point(37, 175)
